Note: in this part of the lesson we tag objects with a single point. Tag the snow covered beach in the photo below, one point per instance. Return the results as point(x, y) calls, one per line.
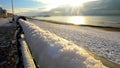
point(103, 43)
point(52, 51)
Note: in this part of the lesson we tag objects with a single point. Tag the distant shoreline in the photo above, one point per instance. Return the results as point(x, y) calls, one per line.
point(106, 28)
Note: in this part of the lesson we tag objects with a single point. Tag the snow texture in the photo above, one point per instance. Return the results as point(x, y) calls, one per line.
point(52, 51)
point(27, 58)
point(101, 42)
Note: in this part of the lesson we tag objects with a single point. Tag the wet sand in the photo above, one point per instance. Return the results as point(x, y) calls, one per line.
point(107, 28)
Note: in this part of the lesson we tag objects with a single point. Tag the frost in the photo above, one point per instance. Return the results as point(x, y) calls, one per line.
point(103, 43)
point(52, 51)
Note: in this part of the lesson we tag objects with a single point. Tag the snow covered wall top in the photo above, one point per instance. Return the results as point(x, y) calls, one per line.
point(52, 51)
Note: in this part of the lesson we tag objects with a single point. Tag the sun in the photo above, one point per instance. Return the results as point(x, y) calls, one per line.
point(77, 20)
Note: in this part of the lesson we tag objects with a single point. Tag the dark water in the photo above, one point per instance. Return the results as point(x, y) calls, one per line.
point(104, 21)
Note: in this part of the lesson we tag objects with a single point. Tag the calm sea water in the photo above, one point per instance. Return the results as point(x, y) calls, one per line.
point(105, 21)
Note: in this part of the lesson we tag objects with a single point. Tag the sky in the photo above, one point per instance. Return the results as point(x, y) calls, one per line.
point(20, 5)
point(42, 6)
point(36, 4)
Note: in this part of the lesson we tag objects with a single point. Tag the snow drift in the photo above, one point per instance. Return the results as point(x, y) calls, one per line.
point(52, 51)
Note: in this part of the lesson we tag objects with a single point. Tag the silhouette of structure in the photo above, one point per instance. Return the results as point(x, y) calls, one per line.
point(3, 12)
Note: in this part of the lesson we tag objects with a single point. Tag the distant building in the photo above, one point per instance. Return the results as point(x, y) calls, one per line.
point(0, 12)
point(3, 12)
point(9, 15)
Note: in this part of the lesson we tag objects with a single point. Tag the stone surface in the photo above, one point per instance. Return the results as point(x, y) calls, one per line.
point(8, 51)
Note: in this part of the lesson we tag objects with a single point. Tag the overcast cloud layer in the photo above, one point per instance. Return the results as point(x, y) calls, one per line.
point(98, 7)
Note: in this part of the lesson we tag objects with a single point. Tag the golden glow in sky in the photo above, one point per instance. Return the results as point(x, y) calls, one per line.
point(75, 2)
point(56, 3)
point(47, 5)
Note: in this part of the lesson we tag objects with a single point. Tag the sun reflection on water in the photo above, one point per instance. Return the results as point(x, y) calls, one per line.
point(77, 20)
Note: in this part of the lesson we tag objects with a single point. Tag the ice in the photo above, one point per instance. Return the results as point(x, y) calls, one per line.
point(52, 51)
point(103, 43)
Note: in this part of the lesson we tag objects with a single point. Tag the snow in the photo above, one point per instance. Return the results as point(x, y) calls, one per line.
point(4, 22)
point(27, 58)
point(103, 43)
point(52, 51)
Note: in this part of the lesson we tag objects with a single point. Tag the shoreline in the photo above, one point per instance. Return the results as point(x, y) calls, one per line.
point(105, 28)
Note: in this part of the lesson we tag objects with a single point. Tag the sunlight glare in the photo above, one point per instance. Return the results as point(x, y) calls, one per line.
point(77, 20)
point(73, 3)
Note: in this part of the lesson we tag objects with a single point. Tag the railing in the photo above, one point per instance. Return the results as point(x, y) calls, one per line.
point(24, 53)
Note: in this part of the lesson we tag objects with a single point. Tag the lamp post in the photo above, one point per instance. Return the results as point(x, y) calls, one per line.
point(12, 7)
point(12, 10)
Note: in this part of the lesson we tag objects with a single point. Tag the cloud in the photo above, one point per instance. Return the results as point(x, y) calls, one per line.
point(102, 7)
point(19, 10)
point(26, 11)
point(62, 2)
point(103, 4)
point(52, 7)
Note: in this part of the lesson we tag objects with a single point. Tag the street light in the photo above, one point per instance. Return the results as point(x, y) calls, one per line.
point(12, 7)
point(12, 10)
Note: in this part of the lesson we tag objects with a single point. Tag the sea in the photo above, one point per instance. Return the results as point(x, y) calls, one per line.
point(101, 21)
